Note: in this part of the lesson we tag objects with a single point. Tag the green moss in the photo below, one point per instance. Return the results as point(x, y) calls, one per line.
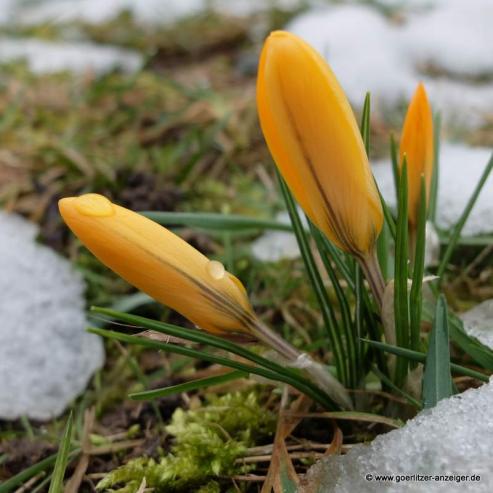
point(208, 440)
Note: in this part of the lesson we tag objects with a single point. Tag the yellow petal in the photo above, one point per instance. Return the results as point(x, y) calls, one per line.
point(159, 263)
point(315, 141)
point(417, 145)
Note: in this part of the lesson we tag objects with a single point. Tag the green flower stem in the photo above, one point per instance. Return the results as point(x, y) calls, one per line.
point(318, 373)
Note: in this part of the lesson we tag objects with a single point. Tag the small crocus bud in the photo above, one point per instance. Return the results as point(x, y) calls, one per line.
point(417, 146)
point(161, 264)
point(315, 141)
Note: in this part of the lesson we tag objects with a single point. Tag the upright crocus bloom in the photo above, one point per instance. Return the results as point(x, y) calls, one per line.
point(417, 145)
point(160, 263)
point(314, 139)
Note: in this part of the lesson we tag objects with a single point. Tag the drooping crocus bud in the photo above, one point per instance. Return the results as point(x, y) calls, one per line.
point(160, 263)
point(315, 141)
point(174, 273)
point(417, 145)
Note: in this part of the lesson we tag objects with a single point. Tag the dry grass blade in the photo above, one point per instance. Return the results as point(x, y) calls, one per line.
point(142, 486)
point(281, 461)
point(29, 484)
point(335, 447)
point(153, 335)
point(352, 416)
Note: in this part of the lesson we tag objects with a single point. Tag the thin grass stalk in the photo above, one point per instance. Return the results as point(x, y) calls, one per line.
point(350, 337)
point(421, 358)
point(358, 312)
point(190, 386)
point(388, 382)
point(328, 315)
point(394, 160)
point(218, 222)
point(383, 251)
point(401, 303)
point(340, 259)
point(365, 123)
point(198, 337)
point(454, 238)
point(365, 134)
point(416, 297)
point(386, 212)
point(56, 484)
point(435, 177)
point(315, 393)
point(293, 356)
point(371, 271)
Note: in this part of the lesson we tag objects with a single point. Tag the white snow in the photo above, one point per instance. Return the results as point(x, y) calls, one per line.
point(455, 37)
point(97, 11)
point(460, 169)
point(360, 46)
point(370, 53)
point(455, 437)
point(411, 4)
point(273, 246)
point(78, 57)
point(153, 12)
point(46, 356)
point(478, 322)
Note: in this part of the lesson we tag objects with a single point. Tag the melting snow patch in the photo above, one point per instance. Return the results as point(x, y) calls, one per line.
point(46, 56)
point(145, 11)
point(359, 44)
point(460, 170)
point(478, 322)
point(273, 246)
point(46, 356)
point(454, 438)
point(455, 37)
point(369, 53)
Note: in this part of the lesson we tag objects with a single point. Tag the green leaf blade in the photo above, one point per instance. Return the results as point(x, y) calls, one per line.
point(401, 299)
point(215, 221)
point(437, 379)
point(416, 297)
point(197, 384)
point(328, 314)
point(56, 484)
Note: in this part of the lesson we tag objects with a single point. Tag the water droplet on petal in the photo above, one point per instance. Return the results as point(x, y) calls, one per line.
point(216, 269)
point(92, 204)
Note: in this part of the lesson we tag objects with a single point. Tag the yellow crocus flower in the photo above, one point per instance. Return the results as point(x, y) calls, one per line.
point(417, 145)
point(171, 271)
point(315, 141)
point(160, 263)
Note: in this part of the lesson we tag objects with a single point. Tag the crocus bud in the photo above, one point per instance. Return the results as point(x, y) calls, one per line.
point(315, 141)
point(417, 145)
point(160, 264)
